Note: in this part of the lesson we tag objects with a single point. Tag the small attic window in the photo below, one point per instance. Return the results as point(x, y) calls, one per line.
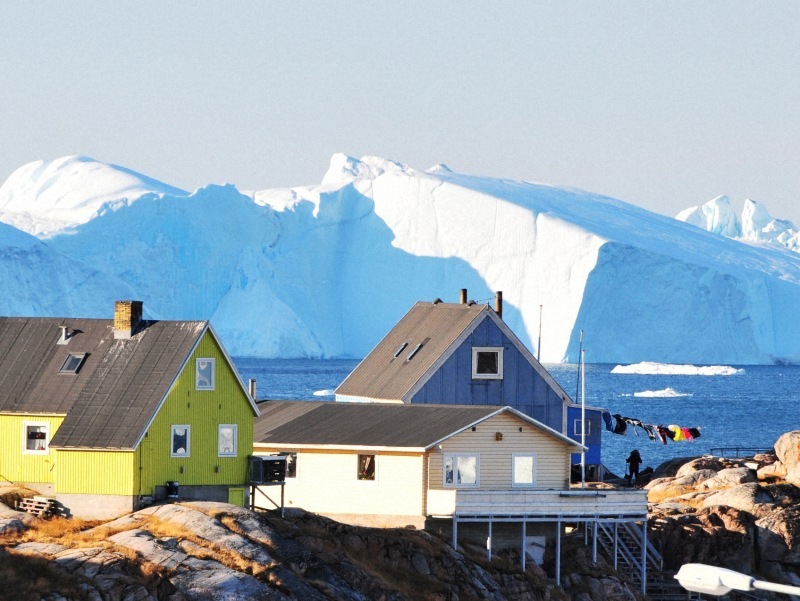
point(414, 352)
point(400, 349)
point(73, 363)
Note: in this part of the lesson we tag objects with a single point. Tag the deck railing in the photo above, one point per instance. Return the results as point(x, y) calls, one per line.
point(542, 504)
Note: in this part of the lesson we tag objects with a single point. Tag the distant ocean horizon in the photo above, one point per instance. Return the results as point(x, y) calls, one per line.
point(748, 407)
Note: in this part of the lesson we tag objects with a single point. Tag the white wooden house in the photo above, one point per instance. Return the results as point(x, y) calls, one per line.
point(480, 472)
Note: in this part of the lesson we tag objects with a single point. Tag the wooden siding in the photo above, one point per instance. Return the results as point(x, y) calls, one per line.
point(16, 466)
point(203, 411)
point(96, 472)
point(521, 386)
point(326, 483)
point(552, 455)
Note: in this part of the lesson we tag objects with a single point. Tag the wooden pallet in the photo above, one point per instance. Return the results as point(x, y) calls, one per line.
point(38, 506)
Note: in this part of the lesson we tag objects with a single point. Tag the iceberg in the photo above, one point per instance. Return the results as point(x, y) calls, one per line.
point(324, 271)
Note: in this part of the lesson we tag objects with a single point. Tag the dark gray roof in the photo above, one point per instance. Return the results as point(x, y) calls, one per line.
point(116, 392)
point(363, 424)
point(436, 326)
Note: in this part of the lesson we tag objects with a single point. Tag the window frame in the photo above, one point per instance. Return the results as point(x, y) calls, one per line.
point(374, 467)
point(172, 452)
point(295, 462)
point(577, 421)
point(476, 350)
point(456, 456)
point(34, 424)
point(197, 373)
point(79, 357)
point(235, 428)
point(532, 483)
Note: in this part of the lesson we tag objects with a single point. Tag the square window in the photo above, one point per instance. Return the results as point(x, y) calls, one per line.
point(461, 470)
point(36, 438)
point(226, 440)
point(524, 469)
point(204, 374)
point(487, 363)
point(180, 441)
point(366, 467)
point(577, 427)
point(72, 363)
point(291, 464)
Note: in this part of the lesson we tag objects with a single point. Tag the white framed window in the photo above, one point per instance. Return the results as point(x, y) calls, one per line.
point(180, 441)
point(204, 374)
point(36, 438)
point(291, 464)
point(227, 438)
point(461, 469)
point(523, 469)
point(366, 467)
point(72, 363)
point(487, 362)
point(576, 427)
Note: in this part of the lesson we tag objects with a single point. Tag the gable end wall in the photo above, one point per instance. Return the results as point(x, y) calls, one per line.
point(521, 386)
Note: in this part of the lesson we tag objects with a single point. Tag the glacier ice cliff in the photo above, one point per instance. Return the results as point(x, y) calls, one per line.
point(327, 270)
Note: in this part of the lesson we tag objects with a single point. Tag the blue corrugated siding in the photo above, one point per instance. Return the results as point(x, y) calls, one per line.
point(521, 387)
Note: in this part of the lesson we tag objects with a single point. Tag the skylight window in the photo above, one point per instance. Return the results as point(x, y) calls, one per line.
point(414, 352)
point(73, 363)
point(400, 349)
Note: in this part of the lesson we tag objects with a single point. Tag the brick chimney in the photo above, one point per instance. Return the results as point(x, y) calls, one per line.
point(127, 315)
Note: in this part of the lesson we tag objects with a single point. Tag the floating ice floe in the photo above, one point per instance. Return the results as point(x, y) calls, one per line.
point(650, 368)
point(666, 393)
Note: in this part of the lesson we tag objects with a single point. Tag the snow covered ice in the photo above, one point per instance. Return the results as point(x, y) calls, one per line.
point(326, 270)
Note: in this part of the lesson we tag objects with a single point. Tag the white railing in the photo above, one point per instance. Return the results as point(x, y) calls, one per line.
point(532, 503)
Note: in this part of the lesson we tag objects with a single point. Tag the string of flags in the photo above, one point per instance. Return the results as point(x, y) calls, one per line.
point(618, 424)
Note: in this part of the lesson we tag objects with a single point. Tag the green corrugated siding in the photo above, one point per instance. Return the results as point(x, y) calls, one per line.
point(96, 472)
point(203, 411)
point(16, 466)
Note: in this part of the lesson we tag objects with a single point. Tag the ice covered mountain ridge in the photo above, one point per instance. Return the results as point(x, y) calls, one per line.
point(326, 270)
point(756, 224)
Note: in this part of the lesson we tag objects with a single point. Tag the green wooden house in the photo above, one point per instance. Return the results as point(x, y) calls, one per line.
point(106, 416)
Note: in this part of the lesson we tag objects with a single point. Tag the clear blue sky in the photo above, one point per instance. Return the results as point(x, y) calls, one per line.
point(662, 104)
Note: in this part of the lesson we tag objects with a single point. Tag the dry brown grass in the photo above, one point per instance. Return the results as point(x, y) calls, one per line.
point(27, 577)
point(203, 548)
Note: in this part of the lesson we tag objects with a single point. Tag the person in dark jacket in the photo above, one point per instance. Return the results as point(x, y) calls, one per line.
point(634, 460)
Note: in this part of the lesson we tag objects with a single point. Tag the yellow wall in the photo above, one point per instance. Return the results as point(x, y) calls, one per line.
point(16, 466)
point(96, 472)
point(552, 455)
point(326, 483)
point(202, 410)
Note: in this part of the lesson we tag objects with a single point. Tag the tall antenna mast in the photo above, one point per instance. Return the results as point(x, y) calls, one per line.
point(583, 414)
point(539, 344)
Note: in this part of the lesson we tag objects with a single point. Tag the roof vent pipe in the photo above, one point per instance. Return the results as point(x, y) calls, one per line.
point(251, 386)
point(64, 335)
point(463, 296)
point(498, 303)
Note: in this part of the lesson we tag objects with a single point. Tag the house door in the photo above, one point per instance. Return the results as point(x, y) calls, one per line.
point(236, 496)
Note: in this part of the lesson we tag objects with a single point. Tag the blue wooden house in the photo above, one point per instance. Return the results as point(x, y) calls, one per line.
point(457, 354)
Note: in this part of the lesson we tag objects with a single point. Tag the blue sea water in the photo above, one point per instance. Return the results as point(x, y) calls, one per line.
point(750, 409)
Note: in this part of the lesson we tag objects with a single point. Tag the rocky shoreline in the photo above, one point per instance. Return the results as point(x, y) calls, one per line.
point(743, 514)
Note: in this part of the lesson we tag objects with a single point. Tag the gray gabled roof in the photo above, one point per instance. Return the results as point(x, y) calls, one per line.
point(437, 328)
point(110, 401)
point(393, 425)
